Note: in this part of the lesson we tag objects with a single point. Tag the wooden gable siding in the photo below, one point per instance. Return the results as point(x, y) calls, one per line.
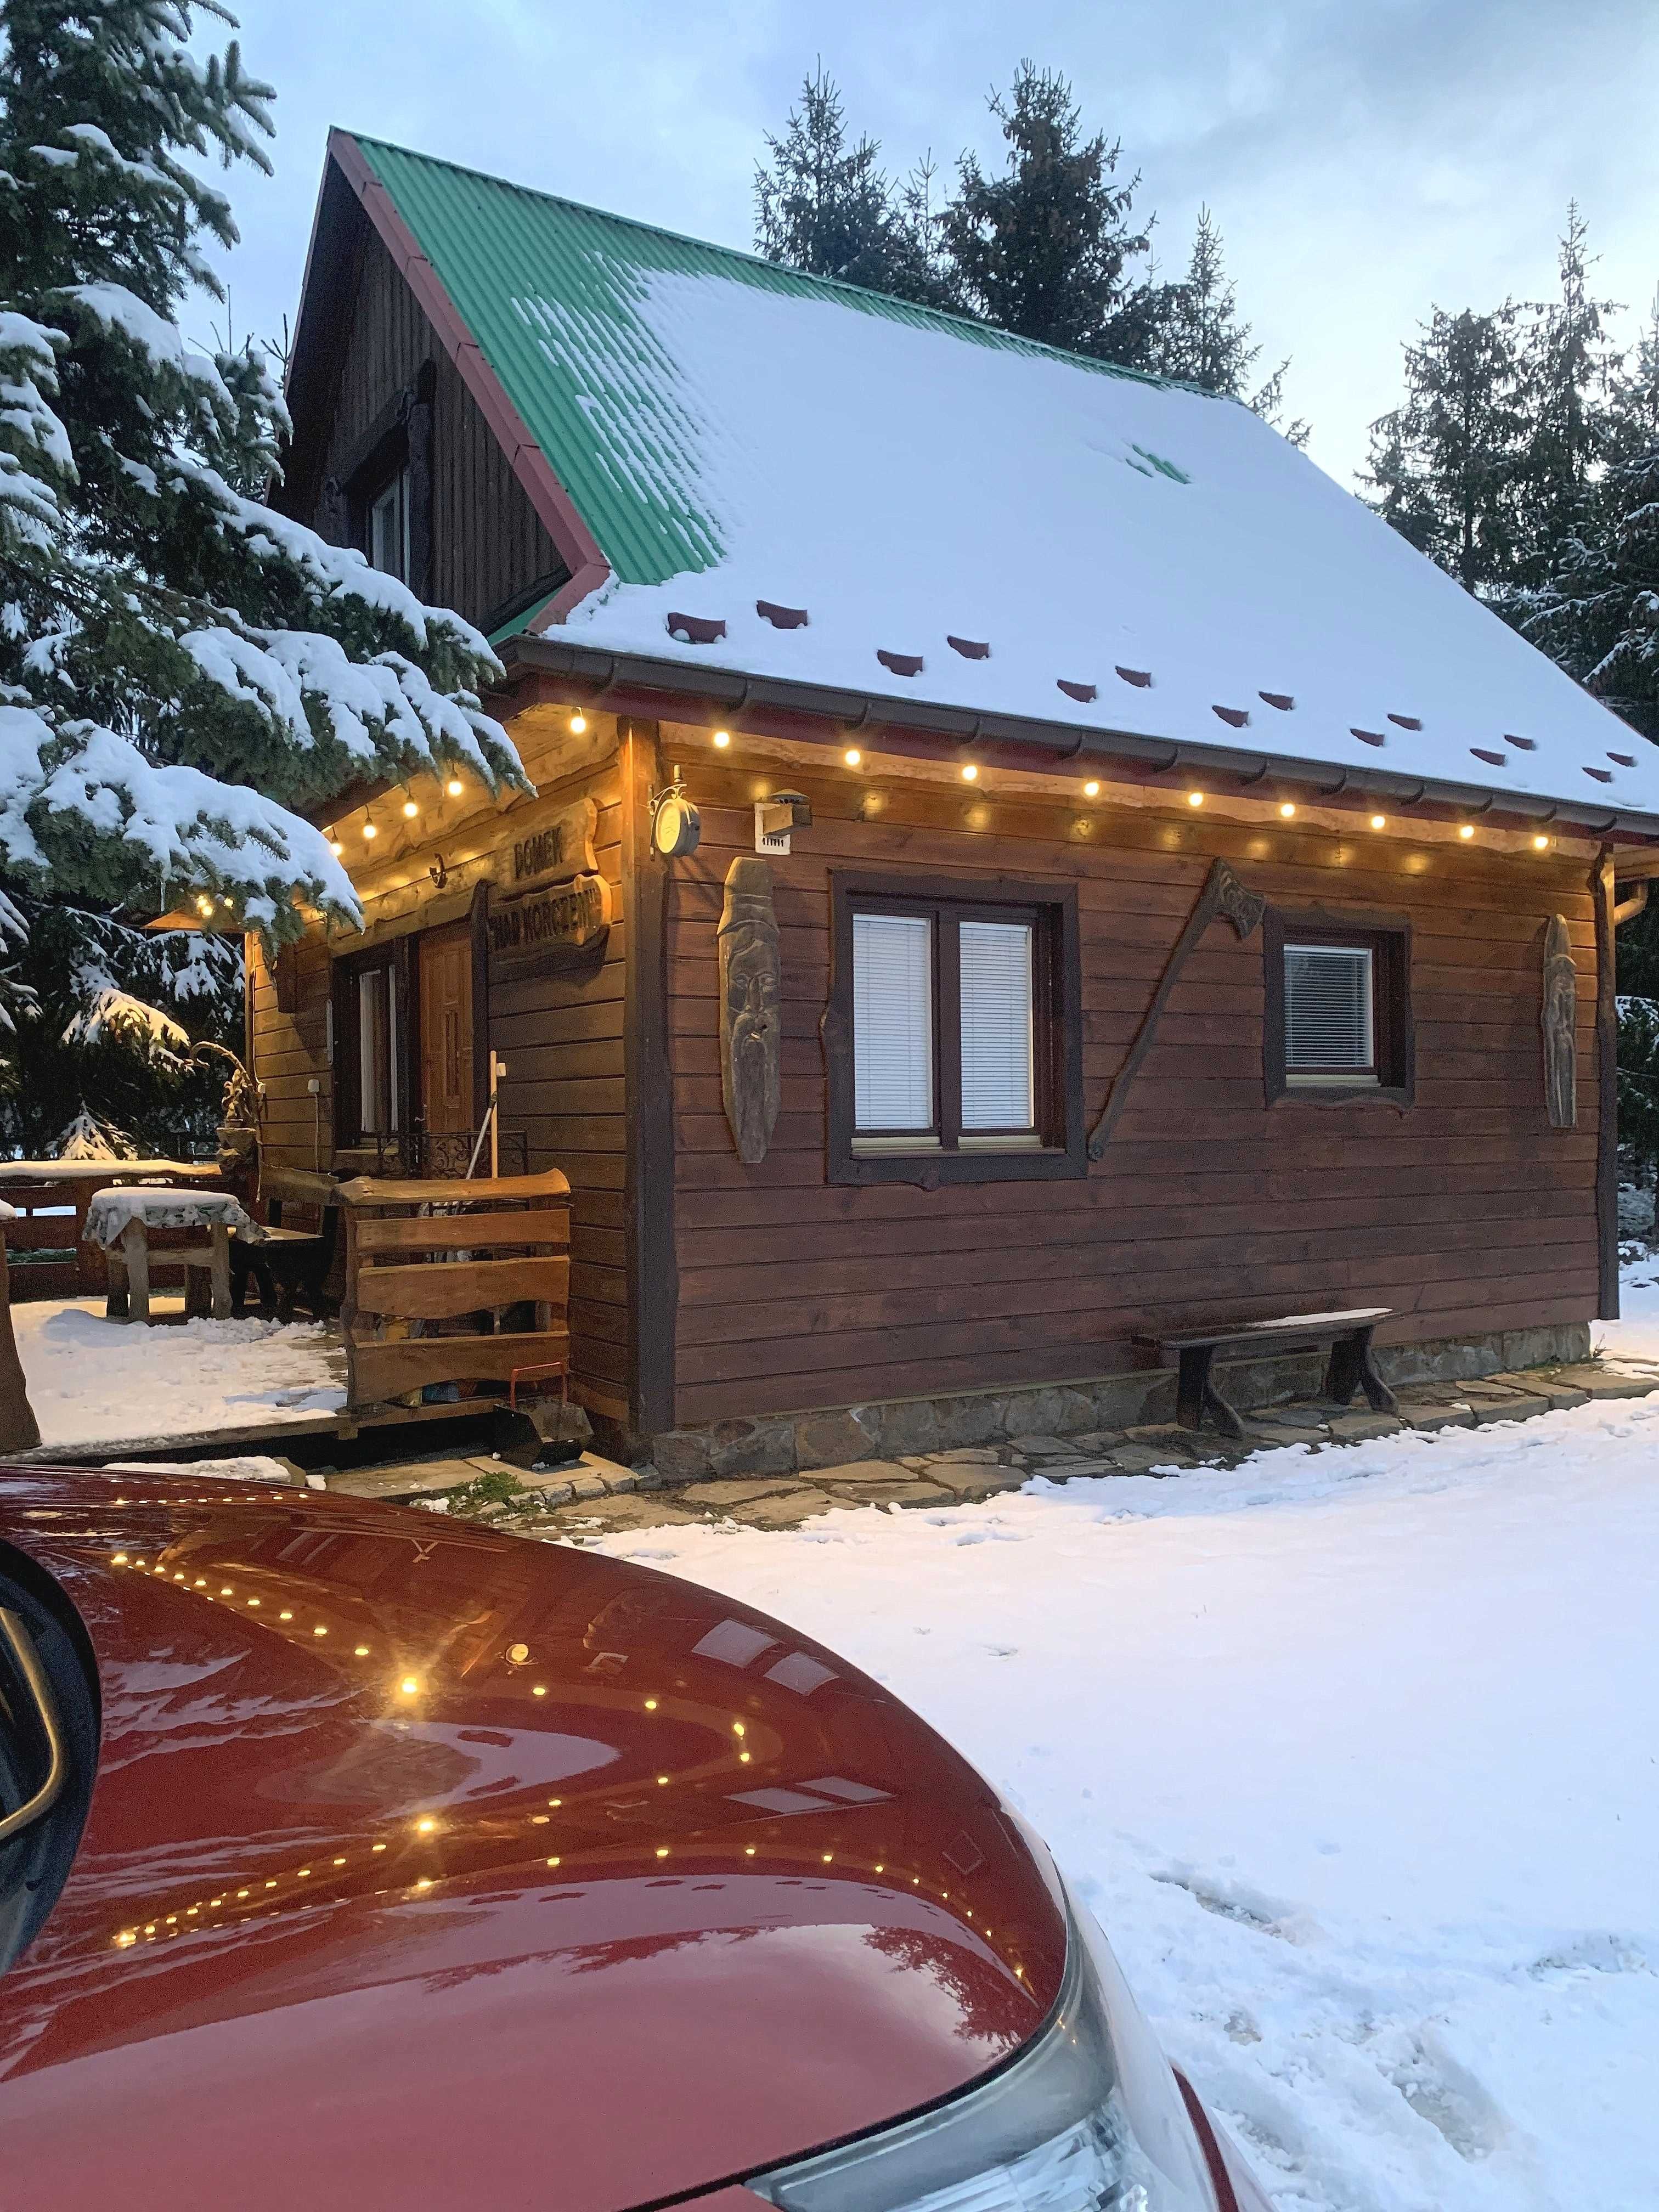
point(488, 543)
point(1467, 1211)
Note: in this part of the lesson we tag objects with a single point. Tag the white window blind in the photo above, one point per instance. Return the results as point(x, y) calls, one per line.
point(996, 1025)
point(893, 1021)
point(1328, 1022)
point(377, 1052)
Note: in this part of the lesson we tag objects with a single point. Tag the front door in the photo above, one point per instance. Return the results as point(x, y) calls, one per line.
point(445, 959)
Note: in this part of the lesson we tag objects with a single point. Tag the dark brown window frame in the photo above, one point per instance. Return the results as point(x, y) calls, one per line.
point(1057, 1010)
point(1388, 936)
point(397, 958)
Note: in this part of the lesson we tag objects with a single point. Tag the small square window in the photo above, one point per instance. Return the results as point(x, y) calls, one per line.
point(958, 1013)
point(1337, 1008)
point(388, 527)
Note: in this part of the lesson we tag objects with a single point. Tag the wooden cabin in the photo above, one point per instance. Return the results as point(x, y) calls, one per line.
point(1022, 864)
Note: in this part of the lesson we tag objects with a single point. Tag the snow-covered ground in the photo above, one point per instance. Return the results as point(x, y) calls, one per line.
point(1636, 1336)
point(1355, 1755)
point(94, 1381)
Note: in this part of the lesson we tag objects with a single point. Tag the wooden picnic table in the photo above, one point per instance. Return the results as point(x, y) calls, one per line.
point(120, 1220)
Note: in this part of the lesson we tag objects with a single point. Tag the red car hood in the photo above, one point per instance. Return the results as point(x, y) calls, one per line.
point(429, 1867)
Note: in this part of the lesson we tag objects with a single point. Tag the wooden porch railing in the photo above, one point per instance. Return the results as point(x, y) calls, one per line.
point(422, 1256)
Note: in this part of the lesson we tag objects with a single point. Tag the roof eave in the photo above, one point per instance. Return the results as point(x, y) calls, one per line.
point(772, 706)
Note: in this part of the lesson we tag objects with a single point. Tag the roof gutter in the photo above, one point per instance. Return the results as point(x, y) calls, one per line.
point(775, 706)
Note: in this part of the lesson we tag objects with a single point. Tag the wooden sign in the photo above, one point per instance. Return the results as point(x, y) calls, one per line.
point(553, 850)
point(548, 928)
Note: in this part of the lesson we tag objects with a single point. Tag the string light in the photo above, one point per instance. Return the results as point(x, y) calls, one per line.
point(970, 773)
point(1466, 830)
point(1091, 789)
point(410, 809)
point(335, 846)
point(852, 757)
point(1194, 798)
point(1288, 809)
point(370, 830)
point(578, 723)
point(1379, 821)
point(410, 1686)
point(722, 739)
point(1540, 844)
point(454, 786)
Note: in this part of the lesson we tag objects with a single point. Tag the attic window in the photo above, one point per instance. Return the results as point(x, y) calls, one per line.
point(387, 526)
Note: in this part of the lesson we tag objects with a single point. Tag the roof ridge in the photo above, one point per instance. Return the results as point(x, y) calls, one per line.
point(950, 319)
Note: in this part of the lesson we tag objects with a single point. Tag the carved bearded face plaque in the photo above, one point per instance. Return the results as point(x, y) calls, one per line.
point(751, 1072)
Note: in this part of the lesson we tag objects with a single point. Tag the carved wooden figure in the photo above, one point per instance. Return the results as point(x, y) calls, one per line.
point(751, 1064)
point(1559, 1022)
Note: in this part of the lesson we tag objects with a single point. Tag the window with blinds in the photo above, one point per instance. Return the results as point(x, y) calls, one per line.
point(893, 1023)
point(997, 1089)
point(1330, 1017)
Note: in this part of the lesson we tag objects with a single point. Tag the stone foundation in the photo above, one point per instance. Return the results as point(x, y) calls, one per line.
point(899, 1428)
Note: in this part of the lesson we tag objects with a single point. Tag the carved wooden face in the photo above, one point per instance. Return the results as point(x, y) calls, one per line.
point(752, 988)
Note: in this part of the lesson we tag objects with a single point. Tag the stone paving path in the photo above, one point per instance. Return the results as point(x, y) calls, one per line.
point(600, 1497)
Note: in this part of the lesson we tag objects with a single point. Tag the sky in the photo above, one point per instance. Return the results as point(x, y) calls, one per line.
point(1365, 159)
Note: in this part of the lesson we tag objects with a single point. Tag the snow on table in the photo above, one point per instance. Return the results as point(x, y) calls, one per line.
point(1356, 1756)
point(109, 1211)
point(97, 1382)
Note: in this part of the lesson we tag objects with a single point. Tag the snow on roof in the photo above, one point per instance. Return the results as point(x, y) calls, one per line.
point(794, 480)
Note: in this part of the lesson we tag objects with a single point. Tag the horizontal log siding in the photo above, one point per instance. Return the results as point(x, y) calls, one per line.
point(560, 1035)
point(1466, 1212)
point(488, 541)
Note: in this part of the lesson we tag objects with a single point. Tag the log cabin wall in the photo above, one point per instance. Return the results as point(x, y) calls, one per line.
point(489, 546)
point(1467, 1210)
point(560, 1030)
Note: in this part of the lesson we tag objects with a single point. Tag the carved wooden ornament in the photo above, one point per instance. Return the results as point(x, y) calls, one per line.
point(1223, 894)
point(751, 970)
point(1559, 1021)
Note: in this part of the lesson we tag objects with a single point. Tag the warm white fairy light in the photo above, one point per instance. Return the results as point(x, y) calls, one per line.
point(1091, 789)
point(578, 723)
point(852, 757)
point(1288, 808)
point(970, 773)
point(722, 739)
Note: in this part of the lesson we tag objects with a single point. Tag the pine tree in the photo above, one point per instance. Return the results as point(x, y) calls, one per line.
point(1046, 249)
point(1569, 369)
point(179, 667)
point(1199, 337)
point(1446, 466)
point(829, 208)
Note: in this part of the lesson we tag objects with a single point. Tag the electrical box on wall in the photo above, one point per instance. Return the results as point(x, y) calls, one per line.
point(776, 817)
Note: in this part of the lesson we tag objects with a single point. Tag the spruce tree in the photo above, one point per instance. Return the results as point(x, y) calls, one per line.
point(1569, 369)
point(827, 207)
point(179, 667)
point(1198, 336)
point(1446, 466)
point(1048, 248)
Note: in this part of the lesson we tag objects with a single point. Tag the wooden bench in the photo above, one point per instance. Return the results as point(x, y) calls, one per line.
point(290, 1265)
point(1350, 1367)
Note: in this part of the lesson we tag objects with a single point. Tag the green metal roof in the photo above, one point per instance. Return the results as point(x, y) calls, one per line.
point(552, 292)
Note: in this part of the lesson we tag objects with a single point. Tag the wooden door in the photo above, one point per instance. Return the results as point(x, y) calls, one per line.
point(446, 957)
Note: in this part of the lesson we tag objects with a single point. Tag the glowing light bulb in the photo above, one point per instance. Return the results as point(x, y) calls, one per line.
point(722, 739)
point(224, 1589)
point(335, 846)
point(410, 1686)
point(554, 1860)
point(377, 1847)
point(1288, 809)
point(578, 723)
point(970, 774)
point(410, 809)
point(285, 1615)
point(1466, 828)
point(737, 1728)
point(1091, 789)
point(359, 1650)
point(425, 1882)
point(662, 1851)
point(1540, 844)
point(120, 1559)
point(1194, 798)
point(651, 1704)
point(320, 1632)
point(539, 1690)
point(662, 1781)
point(424, 1827)
point(454, 786)
point(852, 755)
point(370, 830)
point(748, 1851)
point(1379, 821)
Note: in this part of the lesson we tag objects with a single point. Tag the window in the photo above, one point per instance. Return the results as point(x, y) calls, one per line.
point(388, 527)
point(1338, 1014)
point(956, 1037)
point(370, 1077)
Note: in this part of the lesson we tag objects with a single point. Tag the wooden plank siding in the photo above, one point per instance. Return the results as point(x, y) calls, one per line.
point(1464, 1211)
point(489, 544)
